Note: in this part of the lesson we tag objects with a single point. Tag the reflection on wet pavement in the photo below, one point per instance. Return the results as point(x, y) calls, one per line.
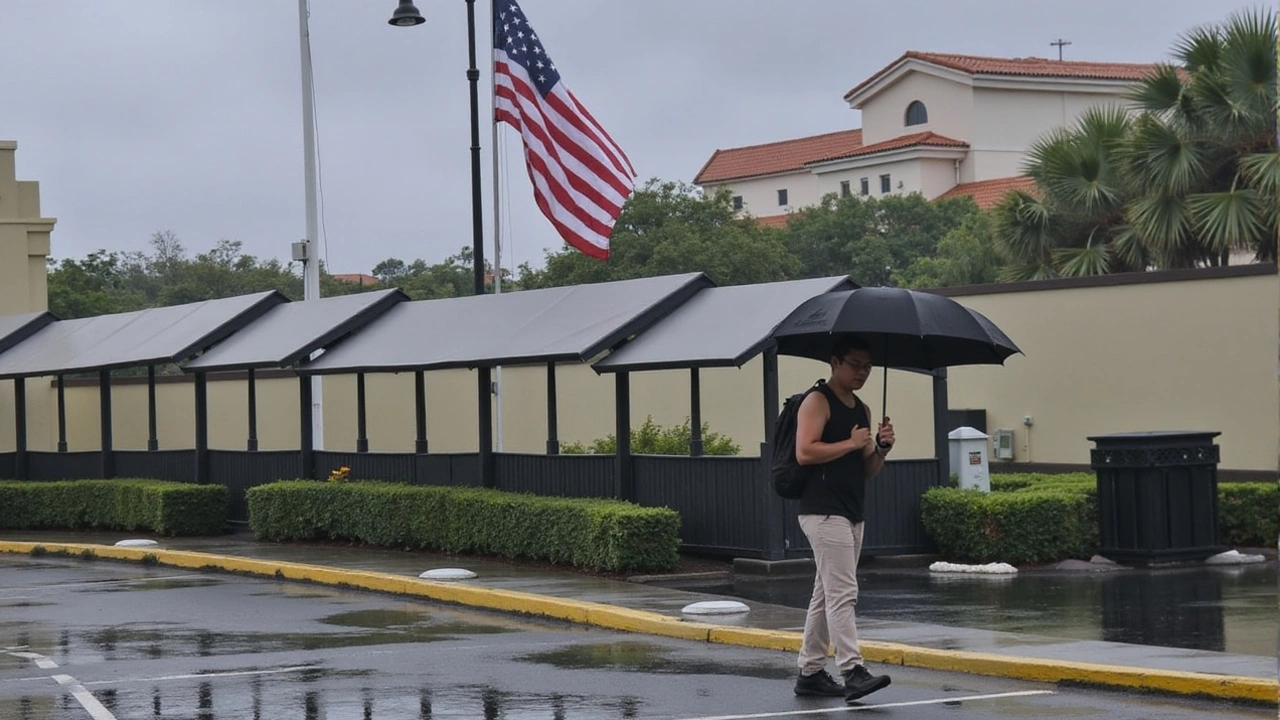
point(649, 658)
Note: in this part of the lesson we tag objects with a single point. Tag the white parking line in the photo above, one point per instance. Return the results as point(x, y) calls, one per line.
point(857, 708)
point(96, 709)
point(86, 699)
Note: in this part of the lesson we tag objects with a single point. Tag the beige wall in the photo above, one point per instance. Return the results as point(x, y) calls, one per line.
point(24, 240)
point(1186, 355)
point(950, 107)
point(1008, 122)
point(760, 195)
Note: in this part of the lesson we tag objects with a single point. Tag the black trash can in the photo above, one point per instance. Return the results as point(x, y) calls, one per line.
point(1157, 496)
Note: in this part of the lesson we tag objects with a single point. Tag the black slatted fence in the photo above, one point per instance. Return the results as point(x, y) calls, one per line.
point(8, 466)
point(176, 465)
point(64, 466)
point(558, 475)
point(718, 499)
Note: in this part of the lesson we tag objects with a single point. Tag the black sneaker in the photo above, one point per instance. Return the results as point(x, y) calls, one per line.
point(858, 682)
point(819, 683)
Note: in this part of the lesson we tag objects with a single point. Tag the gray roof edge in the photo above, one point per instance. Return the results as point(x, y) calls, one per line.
point(31, 327)
point(696, 283)
point(444, 365)
point(240, 321)
point(350, 326)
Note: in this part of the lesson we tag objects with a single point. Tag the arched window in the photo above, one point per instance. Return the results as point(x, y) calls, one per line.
point(916, 114)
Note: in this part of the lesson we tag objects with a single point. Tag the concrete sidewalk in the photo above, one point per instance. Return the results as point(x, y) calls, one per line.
point(650, 608)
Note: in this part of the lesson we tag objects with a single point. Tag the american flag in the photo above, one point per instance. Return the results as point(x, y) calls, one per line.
point(580, 176)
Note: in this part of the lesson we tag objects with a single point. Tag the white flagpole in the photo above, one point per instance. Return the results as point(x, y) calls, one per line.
point(497, 215)
point(310, 266)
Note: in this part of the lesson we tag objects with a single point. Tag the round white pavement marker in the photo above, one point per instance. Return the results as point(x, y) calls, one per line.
point(448, 574)
point(136, 543)
point(715, 607)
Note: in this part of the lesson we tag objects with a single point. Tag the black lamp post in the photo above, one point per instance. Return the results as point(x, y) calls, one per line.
point(407, 15)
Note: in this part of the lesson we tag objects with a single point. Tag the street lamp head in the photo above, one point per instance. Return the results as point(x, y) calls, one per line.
point(406, 15)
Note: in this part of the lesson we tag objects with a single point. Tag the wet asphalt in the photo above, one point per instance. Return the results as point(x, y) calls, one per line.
point(105, 640)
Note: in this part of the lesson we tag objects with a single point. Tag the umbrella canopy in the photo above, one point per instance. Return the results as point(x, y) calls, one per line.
point(907, 329)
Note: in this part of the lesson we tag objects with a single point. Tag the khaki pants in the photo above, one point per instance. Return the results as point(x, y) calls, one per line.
point(836, 544)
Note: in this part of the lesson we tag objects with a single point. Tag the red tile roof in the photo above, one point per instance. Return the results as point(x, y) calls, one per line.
point(774, 221)
point(358, 278)
point(1028, 67)
point(776, 157)
point(927, 138)
point(987, 193)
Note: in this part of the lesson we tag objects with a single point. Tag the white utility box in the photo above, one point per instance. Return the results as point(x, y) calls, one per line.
point(969, 457)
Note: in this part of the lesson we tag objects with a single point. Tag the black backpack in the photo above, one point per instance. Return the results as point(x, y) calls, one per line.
point(789, 476)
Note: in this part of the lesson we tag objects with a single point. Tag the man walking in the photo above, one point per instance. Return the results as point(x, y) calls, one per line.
point(834, 433)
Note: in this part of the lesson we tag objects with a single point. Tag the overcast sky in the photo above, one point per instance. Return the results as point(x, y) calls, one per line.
point(144, 115)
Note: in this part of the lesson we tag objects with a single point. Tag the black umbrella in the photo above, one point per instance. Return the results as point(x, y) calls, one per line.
point(907, 329)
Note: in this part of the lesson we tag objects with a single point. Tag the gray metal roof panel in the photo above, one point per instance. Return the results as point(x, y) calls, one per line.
point(143, 337)
point(292, 331)
point(16, 328)
point(719, 327)
point(572, 323)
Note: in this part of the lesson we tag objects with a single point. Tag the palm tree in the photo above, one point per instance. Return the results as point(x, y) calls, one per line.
point(1190, 176)
point(1203, 151)
point(1075, 223)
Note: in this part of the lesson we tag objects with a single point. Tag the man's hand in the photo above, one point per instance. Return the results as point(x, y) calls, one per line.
point(860, 436)
point(885, 437)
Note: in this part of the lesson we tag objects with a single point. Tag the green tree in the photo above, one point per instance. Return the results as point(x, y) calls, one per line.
point(966, 256)
point(97, 285)
point(872, 240)
point(668, 228)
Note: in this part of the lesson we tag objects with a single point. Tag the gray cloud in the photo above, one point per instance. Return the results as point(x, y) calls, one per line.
point(141, 116)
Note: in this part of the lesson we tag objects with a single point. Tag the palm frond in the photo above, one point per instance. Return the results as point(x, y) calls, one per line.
point(1230, 220)
point(1161, 221)
point(1262, 171)
point(1157, 158)
point(1158, 92)
point(1092, 259)
point(1128, 248)
point(1199, 48)
point(1027, 272)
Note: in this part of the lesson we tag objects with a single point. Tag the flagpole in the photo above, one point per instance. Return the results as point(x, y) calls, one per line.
point(497, 216)
point(310, 265)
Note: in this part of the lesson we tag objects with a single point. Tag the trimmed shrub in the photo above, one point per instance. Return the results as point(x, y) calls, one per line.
point(167, 508)
point(1249, 513)
point(653, 439)
point(602, 534)
point(1033, 517)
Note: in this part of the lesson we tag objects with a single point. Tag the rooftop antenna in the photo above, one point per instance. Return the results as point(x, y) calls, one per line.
point(1060, 42)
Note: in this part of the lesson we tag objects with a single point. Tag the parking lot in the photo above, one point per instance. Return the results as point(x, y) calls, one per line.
point(106, 640)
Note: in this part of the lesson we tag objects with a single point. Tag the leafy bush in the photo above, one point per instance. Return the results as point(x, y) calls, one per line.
point(1248, 513)
point(167, 508)
point(1034, 517)
point(1014, 527)
point(653, 439)
point(602, 534)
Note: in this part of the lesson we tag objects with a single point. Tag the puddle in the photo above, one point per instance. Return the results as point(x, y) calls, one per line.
point(23, 604)
point(632, 656)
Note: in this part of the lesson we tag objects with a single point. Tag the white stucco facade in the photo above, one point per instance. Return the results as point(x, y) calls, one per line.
point(974, 120)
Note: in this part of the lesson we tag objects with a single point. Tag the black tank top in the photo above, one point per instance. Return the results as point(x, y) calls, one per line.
point(841, 488)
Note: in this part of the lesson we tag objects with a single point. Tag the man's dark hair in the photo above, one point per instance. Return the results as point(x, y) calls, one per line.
point(844, 343)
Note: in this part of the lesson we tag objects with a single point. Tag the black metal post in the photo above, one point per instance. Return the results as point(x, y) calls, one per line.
point(153, 439)
point(695, 413)
point(62, 415)
point(307, 438)
point(362, 435)
point(252, 445)
point(941, 446)
point(104, 402)
point(775, 508)
point(202, 428)
point(420, 411)
point(553, 433)
point(20, 427)
point(484, 384)
point(622, 405)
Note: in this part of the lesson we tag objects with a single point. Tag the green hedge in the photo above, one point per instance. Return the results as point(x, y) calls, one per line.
point(1036, 518)
point(167, 508)
point(609, 535)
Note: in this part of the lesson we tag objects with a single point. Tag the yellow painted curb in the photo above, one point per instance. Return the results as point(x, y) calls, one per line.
point(1264, 690)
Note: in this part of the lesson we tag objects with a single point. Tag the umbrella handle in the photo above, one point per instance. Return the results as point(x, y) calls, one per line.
point(884, 393)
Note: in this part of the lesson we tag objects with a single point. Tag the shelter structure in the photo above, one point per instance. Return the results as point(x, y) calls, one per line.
point(678, 321)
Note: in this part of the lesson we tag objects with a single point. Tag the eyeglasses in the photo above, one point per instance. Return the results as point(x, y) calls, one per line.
point(857, 365)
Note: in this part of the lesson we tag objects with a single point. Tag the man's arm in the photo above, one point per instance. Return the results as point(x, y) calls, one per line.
point(873, 455)
point(811, 418)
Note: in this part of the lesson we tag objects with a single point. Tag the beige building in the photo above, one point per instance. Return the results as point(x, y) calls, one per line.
point(939, 124)
point(24, 239)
